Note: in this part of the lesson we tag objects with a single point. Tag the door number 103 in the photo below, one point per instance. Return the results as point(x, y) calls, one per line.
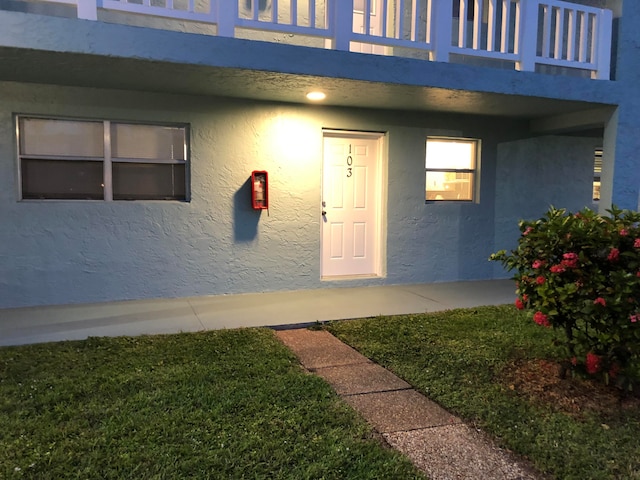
point(349, 163)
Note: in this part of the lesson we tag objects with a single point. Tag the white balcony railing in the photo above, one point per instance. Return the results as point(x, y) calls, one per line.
point(525, 32)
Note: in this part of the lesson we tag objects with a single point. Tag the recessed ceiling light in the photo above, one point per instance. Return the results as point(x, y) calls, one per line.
point(316, 96)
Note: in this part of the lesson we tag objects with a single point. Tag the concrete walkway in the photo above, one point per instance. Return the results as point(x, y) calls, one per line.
point(139, 317)
point(438, 443)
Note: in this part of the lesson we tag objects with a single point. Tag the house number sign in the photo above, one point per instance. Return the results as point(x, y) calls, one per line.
point(349, 163)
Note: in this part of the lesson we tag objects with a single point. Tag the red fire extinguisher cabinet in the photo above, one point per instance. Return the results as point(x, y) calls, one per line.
point(259, 190)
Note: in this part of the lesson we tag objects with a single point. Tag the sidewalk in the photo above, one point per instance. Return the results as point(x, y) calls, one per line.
point(437, 442)
point(140, 317)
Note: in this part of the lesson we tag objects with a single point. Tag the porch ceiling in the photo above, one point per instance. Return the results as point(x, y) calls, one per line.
point(73, 69)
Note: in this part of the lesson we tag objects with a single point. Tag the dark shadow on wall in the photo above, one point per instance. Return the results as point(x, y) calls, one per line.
point(245, 218)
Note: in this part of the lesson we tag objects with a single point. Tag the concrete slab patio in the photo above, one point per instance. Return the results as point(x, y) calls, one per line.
point(138, 317)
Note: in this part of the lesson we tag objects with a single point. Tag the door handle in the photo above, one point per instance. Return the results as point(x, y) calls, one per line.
point(323, 213)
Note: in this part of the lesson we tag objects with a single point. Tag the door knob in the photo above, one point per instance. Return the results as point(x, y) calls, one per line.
point(323, 213)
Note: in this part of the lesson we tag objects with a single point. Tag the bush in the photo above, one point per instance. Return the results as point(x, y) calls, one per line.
point(580, 273)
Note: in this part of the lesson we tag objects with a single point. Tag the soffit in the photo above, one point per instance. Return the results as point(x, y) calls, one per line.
point(72, 69)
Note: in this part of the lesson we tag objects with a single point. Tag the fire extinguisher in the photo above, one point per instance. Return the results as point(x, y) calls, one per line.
point(259, 190)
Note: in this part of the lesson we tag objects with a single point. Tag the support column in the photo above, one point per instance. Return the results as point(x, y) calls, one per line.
point(621, 150)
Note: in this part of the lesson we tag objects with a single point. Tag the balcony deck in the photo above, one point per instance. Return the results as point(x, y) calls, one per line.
point(549, 36)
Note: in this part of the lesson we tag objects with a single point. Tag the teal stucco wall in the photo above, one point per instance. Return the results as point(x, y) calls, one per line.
point(59, 252)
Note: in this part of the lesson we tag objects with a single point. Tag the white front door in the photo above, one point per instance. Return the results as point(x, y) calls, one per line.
point(351, 205)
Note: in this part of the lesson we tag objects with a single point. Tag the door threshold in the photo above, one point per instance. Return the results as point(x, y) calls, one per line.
point(332, 278)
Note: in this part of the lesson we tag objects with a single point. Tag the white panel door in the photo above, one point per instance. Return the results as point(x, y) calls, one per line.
point(350, 206)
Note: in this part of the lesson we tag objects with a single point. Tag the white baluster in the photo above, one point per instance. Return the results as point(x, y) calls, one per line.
point(477, 24)
point(294, 12)
point(491, 25)
point(584, 36)
point(506, 26)
point(571, 36)
point(559, 40)
point(312, 13)
point(462, 24)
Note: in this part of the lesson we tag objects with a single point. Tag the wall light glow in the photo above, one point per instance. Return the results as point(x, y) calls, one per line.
point(316, 96)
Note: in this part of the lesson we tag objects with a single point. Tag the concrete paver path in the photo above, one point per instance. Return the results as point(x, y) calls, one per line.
point(438, 443)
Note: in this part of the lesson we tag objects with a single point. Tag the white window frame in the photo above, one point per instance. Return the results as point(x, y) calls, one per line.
point(474, 171)
point(106, 159)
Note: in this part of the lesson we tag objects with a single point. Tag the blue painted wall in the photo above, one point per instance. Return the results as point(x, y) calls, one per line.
point(73, 252)
point(536, 173)
point(67, 252)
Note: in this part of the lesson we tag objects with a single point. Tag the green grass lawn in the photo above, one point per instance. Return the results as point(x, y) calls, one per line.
point(460, 359)
point(223, 405)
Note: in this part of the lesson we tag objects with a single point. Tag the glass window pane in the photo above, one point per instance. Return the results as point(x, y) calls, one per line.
point(149, 181)
point(40, 136)
point(62, 179)
point(449, 186)
point(147, 142)
point(451, 154)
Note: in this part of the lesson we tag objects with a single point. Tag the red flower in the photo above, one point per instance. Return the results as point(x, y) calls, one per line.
point(593, 363)
point(636, 243)
point(614, 254)
point(540, 280)
point(570, 260)
point(574, 361)
point(633, 318)
point(538, 264)
point(541, 319)
point(519, 304)
point(624, 232)
point(557, 269)
point(600, 301)
point(525, 297)
point(527, 231)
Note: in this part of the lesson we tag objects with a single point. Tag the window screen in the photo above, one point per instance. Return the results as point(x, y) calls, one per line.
point(101, 160)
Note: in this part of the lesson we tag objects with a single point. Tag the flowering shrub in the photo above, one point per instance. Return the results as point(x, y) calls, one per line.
point(580, 273)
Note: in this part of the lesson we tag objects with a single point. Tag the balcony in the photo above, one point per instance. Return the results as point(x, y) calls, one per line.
point(549, 36)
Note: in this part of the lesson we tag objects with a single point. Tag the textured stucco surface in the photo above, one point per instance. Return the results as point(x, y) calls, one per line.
point(535, 173)
point(67, 252)
point(72, 252)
